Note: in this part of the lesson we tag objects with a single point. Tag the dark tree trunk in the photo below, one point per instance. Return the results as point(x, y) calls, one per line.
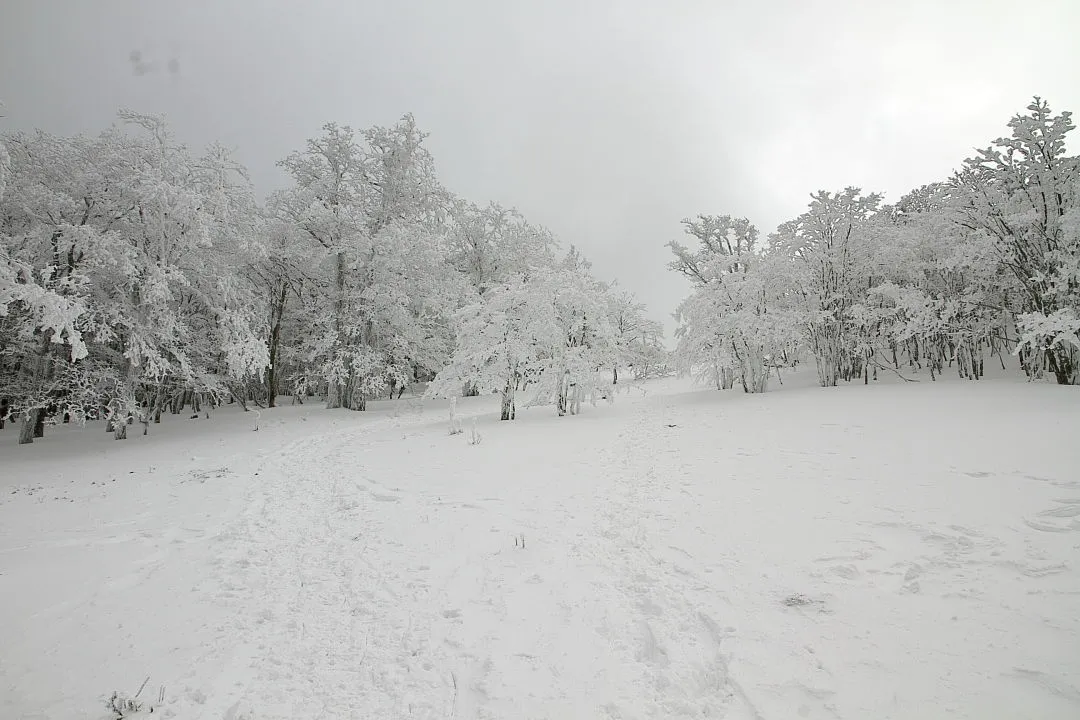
point(276, 316)
point(509, 411)
point(40, 370)
point(562, 397)
point(26, 432)
point(338, 393)
point(1063, 366)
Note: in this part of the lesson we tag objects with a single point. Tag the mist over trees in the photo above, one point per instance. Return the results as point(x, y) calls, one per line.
point(138, 278)
point(983, 266)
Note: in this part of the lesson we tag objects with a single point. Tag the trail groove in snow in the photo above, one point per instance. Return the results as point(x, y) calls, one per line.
point(371, 591)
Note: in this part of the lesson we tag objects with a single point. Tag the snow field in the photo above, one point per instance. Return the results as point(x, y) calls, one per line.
point(897, 551)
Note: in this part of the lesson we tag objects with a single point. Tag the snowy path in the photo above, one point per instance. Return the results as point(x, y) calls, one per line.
point(366, 584)
point(687, 555)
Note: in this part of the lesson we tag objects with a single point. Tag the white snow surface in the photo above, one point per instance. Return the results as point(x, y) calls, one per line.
point(892, 551)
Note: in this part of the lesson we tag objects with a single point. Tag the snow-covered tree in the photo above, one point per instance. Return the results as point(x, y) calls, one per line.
point(637, 338)
point(585, 346)
point(831, 246)
point(501, 340)
point(376, 210)
point(490, 244)
point(722, 243)
point(985, 263)
point(1024, 193)
point(326, 204)
point(548, 329)
point(142, 237)
point(136, 275)
point(737, 321)
point(939, 296)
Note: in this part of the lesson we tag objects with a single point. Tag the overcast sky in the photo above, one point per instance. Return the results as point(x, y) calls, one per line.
point(606, 120)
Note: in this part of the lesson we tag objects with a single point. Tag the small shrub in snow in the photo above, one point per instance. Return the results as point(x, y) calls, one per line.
point(122, 705)
point(798, 600)
point(125, 706)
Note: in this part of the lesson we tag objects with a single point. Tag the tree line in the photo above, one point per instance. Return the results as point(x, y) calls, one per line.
point(979, 267)
point(139, 278)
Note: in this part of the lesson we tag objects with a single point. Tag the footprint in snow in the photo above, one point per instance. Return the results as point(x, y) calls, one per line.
point(1066, 515)
point(1068, 509)
point(848, 572)
point(379, 497)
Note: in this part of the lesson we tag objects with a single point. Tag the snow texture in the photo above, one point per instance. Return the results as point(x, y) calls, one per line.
point(892, 551)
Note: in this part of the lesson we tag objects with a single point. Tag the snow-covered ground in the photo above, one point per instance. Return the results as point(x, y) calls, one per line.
point(892, 551)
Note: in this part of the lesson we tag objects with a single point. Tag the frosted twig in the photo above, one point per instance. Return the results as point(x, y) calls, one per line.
point(878, 365)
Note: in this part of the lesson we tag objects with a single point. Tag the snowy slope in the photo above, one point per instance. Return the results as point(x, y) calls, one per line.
point(892, 551)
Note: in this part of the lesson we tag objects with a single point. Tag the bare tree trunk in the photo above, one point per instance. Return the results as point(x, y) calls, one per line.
point(40, 368)
point(508, 410)
point(26, 432)
point(336, 391)
point(277, 314)
point(575, 398)
point(39, 424)
point(563, 391)
point(126, 404)
point(1065, 365)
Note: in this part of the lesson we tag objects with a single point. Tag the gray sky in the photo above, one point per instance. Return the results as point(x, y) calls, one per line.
point(606, 120)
